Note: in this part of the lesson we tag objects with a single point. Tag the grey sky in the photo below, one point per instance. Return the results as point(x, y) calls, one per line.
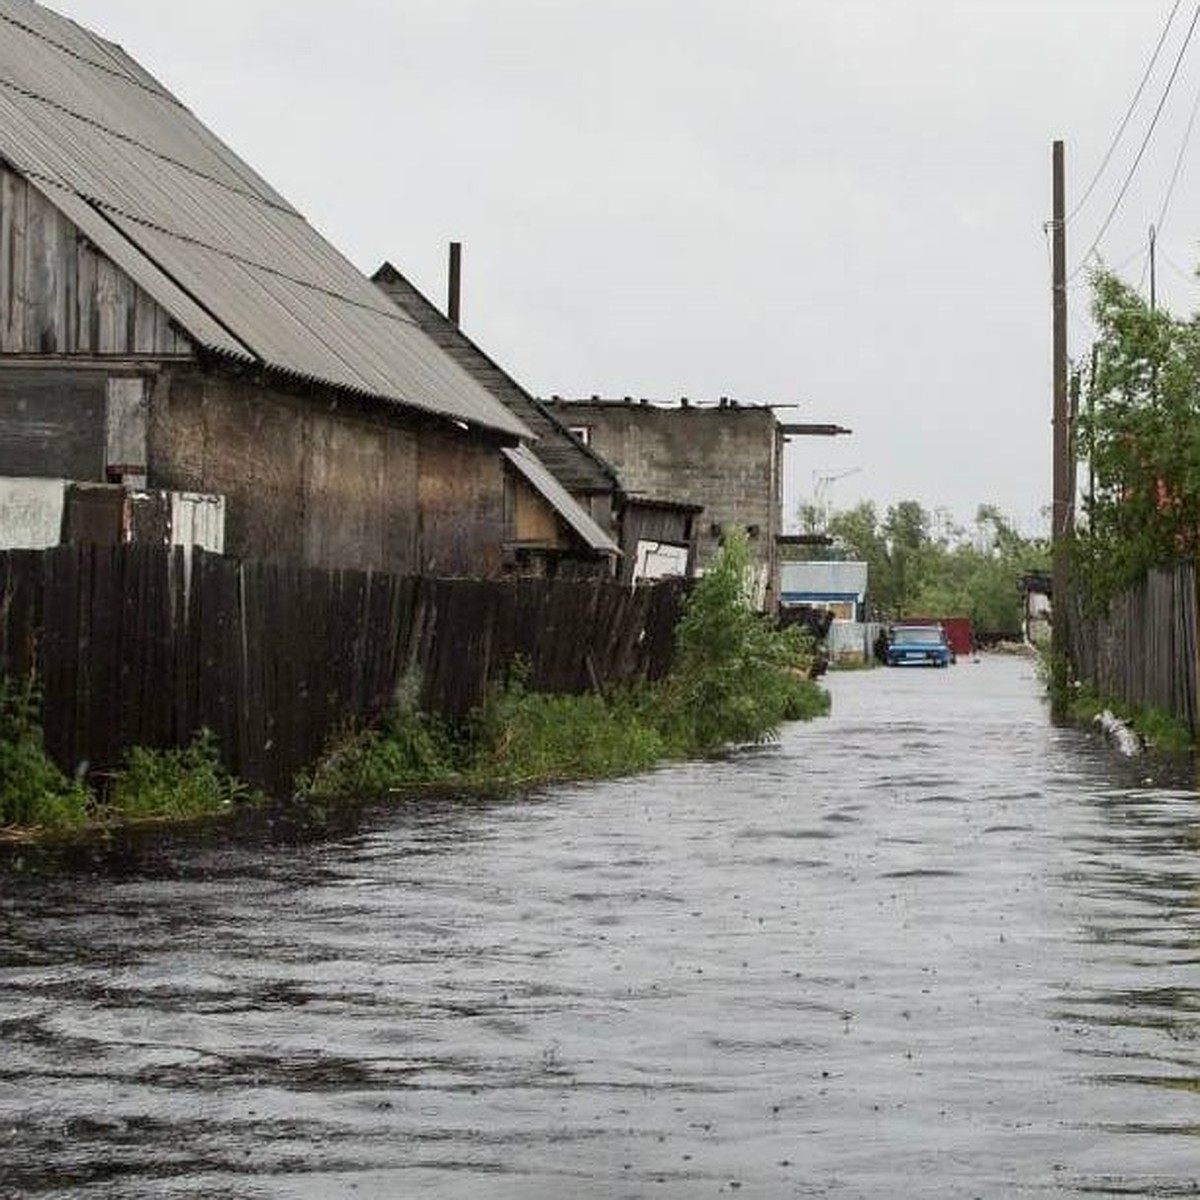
point(833, 203)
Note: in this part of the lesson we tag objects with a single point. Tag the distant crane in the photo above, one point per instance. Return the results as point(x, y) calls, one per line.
point(822, 482)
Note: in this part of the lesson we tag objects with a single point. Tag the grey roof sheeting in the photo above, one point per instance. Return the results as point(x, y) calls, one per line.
point(535, 472)
point(579, 468)
point(238, 269)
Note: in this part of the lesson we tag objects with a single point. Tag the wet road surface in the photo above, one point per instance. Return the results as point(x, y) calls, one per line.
point(929, 947)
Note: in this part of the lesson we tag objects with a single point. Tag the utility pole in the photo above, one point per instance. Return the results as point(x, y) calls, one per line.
point(1060, 520)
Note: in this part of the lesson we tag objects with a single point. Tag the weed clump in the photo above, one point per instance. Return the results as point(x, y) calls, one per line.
point(174, 784)
point(33, 791)
point(406, 748)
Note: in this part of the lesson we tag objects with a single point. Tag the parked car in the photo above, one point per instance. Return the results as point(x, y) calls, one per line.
point(918, 646)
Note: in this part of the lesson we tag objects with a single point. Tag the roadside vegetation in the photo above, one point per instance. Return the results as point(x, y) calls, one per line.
point(33, 791)
point(736, 679)
point(177, 784)
point(1154, 729)
point(922, 563)
point(1137, 439)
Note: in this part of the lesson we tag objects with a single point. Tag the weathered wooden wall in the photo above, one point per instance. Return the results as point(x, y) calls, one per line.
point(145, 645)
point(325, 482)
point(1143, 651)
point(52, 423)
point(58, 296)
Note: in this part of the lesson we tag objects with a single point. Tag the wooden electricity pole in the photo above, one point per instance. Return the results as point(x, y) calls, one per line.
point(1060, 521)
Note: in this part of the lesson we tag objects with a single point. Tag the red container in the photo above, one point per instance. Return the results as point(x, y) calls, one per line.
point(958, 631)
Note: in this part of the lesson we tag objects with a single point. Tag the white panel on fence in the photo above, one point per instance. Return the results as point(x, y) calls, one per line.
point(847, 640)
point(657, 560)
point(31, 513)
point(198, 520)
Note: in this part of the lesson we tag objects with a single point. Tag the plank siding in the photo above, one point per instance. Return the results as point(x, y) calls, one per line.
point(58, 295)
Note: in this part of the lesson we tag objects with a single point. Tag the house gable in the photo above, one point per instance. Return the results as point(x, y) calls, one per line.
point(581, 471)
point(59, 295)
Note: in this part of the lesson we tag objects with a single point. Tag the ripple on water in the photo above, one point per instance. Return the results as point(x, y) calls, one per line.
point(823, 969)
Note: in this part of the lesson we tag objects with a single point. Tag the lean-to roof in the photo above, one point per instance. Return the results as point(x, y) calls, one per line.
point(541, 480)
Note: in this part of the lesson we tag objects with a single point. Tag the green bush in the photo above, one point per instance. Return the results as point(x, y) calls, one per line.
point(736, 677)
point(405, 749)
point(33, 791)
point(179, 783)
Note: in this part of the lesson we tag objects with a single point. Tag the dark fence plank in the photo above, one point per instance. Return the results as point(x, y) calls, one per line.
point(147, 644)
point(1142, 651)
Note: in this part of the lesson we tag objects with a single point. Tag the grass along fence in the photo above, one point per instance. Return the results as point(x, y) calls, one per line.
point(145, 645)
point(1142, 651)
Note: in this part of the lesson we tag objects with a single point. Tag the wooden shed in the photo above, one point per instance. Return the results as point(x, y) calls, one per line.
point(168, 320)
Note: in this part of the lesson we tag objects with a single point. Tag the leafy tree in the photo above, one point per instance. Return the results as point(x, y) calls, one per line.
point(1140, 433)
point(923, 564)
point(736, 677)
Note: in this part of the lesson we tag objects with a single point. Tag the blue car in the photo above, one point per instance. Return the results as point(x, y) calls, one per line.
point(917, 646)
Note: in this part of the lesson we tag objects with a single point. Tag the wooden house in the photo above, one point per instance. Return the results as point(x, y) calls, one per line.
point(169, 321)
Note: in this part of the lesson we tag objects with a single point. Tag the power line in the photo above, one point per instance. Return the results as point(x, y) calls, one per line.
point(1091, 187)
point(1187, 134)
point(1112, 212)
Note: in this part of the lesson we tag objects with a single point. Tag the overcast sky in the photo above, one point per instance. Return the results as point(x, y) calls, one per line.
point(837, 204)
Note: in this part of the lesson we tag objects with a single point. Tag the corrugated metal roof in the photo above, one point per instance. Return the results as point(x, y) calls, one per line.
point(232, 262)
point(560, 499)
point(577, 467)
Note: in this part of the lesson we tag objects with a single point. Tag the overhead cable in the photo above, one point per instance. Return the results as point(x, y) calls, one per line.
point(1112, 212)
point(1091, 187)
point(1187, 135)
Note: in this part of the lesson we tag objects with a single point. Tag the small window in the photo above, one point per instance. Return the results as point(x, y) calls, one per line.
point(582, 432)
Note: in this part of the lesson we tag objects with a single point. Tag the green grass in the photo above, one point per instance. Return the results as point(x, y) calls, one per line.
point(36, 796)
point(174, 784)
point(33, 791)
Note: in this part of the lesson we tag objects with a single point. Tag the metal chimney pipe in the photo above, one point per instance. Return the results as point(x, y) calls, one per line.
point(452, 302)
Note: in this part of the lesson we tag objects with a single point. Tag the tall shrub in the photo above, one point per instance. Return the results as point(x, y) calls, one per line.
point(736, 677)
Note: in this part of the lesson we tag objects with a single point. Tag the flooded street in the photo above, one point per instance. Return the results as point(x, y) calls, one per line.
point(928, 947)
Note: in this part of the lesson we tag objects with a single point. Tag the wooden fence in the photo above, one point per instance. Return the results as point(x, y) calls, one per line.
point(1143, 651)
point(145, 645)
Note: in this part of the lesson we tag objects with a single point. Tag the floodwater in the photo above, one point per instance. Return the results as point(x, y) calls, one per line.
point(928, 947)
